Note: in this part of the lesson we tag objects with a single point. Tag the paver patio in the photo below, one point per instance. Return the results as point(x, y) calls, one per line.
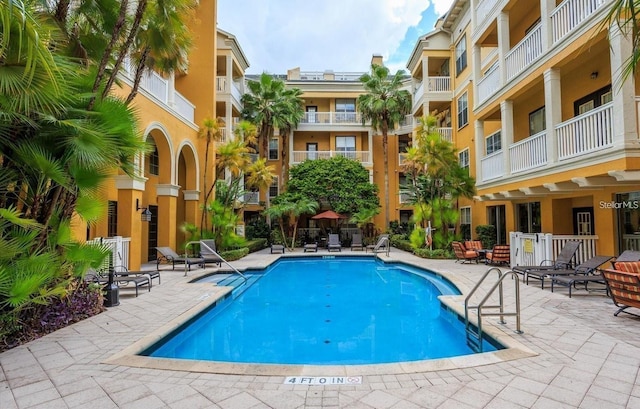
point(586, 358)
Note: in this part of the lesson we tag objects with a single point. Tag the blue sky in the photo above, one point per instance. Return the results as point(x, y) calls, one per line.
point(338, 35)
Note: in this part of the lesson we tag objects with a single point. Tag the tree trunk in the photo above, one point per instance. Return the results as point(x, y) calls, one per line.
point(284, 171)
point(385, 154)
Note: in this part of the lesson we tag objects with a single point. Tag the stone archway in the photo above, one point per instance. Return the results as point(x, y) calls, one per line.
point(188, 178)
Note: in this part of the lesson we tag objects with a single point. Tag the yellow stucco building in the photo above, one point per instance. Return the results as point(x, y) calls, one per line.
point(528, 91)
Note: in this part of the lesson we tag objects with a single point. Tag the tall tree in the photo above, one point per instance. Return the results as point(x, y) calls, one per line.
point(384, 104)
point(626, 15)
point(269, 105)
point(211, 132)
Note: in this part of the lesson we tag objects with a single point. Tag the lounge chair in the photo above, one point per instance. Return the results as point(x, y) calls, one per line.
point(168, 255)
point(381, 244)
point(122, 271)
point(356, 242)
point(624, 287)
point(334, 243)
point(625, 256)
point(277, 248)
point(501, 254)
point(584, 268)
point(473, 245)
point(311, 247)
point(121, 281)
point(464, 255)
point(209, 253)
point(563, 261)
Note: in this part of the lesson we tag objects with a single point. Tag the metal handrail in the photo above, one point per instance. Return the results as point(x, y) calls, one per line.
point(481, 304)
point(217, 254)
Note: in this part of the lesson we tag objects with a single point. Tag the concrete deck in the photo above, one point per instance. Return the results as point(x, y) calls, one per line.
point(573, 354)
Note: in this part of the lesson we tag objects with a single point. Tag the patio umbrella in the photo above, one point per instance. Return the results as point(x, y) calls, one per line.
point(328, 215)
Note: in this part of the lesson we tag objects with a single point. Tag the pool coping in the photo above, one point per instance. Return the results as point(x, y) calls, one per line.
point(130, 355)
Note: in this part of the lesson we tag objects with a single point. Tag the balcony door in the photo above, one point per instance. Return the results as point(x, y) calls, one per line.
point(312, 112)
point(312, 151)
point(153, 234)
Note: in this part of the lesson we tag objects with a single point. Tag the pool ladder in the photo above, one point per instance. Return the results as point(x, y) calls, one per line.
point(474, 333)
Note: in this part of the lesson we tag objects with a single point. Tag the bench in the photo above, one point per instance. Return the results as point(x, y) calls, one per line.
point(277, 248)
point(624, 286)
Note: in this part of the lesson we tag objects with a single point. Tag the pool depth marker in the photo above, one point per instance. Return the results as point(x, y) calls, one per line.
point(323, 380)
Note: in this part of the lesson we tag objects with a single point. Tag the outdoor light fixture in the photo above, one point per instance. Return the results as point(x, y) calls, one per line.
point(594, 75)
point(145, 216)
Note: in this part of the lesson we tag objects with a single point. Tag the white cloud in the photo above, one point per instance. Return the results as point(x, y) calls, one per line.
point(338, 35)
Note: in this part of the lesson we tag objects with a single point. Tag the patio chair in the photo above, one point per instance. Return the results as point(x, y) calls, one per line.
point(583, 275)
point(473, 245)
point(356, 242)
point(625, 256)
point(624, 287)
point(168, 255)
point(563, 261)
point(464, 255)
point(122, 271)
point(583, 269)
point(381, 245)
point(501, 254)
point(334, 243)
point(310, 247)
point(209, 253)
point(122, 282)
point(277, 248)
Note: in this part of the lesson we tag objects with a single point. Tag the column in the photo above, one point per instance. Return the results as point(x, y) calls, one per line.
point(425, 75)
point(476, 69)
point(506, 133)
point(479, 145)
point(503, 45)
point(130, 192)
point(553, 110)
point(623, 90)
point(192, 211)
point(168, 215)
point(546, 7)
point(171, 90)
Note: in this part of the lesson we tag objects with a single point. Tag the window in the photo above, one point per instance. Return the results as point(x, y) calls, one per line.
point(593, 100)
point(112, 218)
point(345, 110)
point(346, 144)
point(463, 158)
point(153, 159)
point(461, 55)
point(465, 223)
point(493, 142)
point(273, 189)
point(537, 121)
point(529, 217)
point(463, 114)
point(273, 149)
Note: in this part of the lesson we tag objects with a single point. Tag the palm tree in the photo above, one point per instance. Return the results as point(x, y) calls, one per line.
point(291, 207)
point(626, 15)
point(385, 105)
point(269, 105)
point(211, 131)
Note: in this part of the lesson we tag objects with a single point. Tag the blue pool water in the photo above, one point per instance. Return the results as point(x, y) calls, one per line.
point(326, 311)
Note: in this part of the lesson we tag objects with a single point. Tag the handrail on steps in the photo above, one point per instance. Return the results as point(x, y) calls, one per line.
point(216, 253)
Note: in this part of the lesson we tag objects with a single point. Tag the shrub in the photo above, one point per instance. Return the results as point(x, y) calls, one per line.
point(487, 235)
point(257, 244)
point(435, 253)
point(400, 242)
point(237, 254)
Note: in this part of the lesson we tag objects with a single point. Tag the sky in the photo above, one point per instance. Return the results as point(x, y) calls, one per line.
point(337, 35)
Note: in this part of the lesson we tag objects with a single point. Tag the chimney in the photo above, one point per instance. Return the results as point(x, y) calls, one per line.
point(376, 59)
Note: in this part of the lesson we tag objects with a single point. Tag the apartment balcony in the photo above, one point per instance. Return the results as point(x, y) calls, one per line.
point(564, 20)
point(163, 91)
point(584, 134)
point(405, 197)
point(446, 133)
point(225, 87)
point(252, 198)
point(437, 87)
point(363, 157)
point(323, 119)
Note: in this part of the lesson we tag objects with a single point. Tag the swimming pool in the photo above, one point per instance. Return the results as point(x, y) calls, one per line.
point(326, 311)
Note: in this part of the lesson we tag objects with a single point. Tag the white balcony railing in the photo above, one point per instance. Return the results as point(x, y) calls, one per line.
point(156, 86)
point(184, 107)
point(221, 84)
point(236, 93)
point(489, 83)
point(586, 133)
point(529, 153)
point(360, 156)
point(569, 14)
point(446, 133)
point(484, 9)
point(405, 197)
point(418, 93)
point(492, 166)
point(332, 118)
point(524, 53)
point(439, 84)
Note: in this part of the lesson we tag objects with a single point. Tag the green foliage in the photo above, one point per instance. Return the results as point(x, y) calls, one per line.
point(417, 238)
point(487, 235)
point(257, 229)
point(257, 244)
point(399, 241)
point(340, 182)
point(435, 253)
point(232, 255)
point(288, 208)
